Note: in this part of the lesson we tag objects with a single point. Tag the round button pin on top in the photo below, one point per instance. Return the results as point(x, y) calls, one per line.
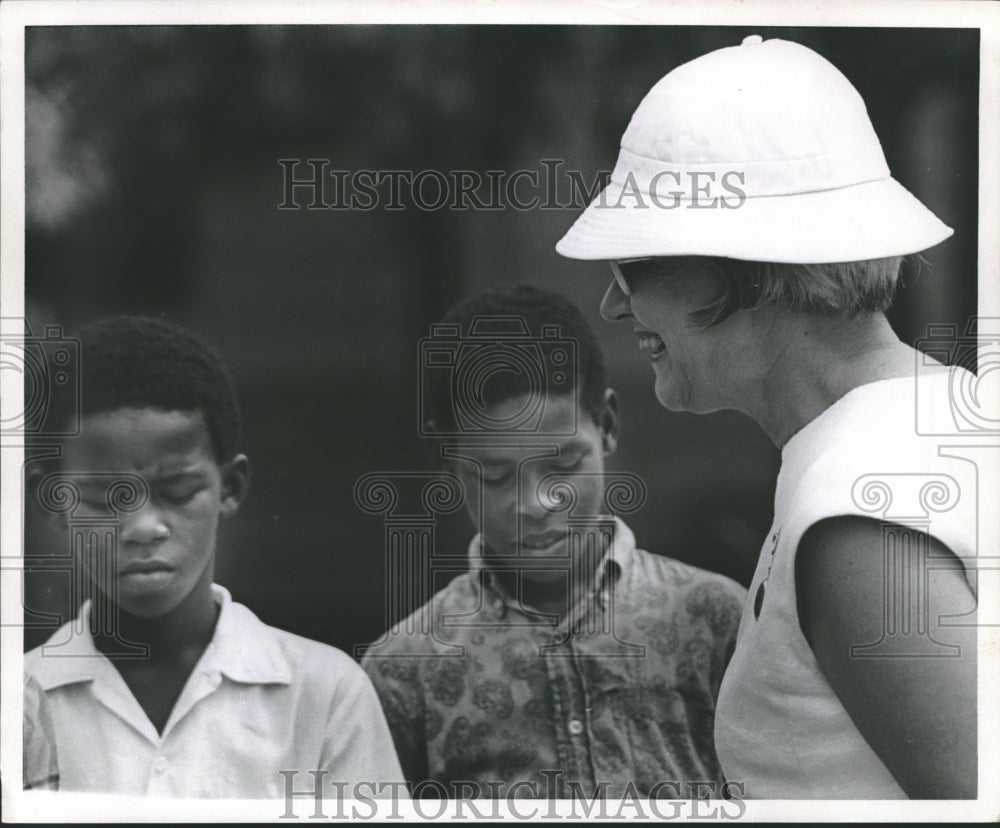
point(752, 40)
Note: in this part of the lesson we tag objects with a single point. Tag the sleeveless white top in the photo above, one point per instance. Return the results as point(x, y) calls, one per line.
point(780, 728)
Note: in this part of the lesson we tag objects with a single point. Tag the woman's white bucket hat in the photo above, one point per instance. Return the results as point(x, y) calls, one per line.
point(763, 152)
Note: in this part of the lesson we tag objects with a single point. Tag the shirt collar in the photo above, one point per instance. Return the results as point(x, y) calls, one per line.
point(615, 564)
point(243, 648)
point(69, 655)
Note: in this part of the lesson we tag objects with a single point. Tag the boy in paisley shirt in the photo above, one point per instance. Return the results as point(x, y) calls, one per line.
point(565, 661)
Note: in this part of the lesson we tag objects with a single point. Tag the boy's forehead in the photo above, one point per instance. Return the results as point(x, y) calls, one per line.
point(559, 412)
point(139, 439)
point(562, 428)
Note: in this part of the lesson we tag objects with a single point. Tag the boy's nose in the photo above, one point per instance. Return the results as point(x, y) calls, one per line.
point(538, 501)
point(144, 526)
point(615, 304)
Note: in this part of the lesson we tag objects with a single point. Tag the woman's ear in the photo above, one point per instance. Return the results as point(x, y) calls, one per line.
point(235, 484)
point(609, 422)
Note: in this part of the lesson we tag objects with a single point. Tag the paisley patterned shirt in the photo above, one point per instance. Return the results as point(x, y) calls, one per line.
point(479, 691)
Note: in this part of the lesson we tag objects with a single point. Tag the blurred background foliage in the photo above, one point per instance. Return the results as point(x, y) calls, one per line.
point(152, 187)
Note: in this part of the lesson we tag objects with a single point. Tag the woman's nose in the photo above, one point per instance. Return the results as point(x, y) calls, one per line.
point(615, 304)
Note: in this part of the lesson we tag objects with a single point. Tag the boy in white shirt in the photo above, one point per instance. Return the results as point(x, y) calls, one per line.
point(221, 703)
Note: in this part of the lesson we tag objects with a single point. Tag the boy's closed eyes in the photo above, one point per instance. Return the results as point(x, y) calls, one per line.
point(569, 459)
point(173, 489)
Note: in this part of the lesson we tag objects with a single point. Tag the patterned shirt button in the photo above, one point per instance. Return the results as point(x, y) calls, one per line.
point(160, 765)
point(575, 727)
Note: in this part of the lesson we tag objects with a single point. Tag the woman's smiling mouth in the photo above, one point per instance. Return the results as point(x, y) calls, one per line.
point(651, 343)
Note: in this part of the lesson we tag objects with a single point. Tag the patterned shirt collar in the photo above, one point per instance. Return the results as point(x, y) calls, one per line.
point(609, 572)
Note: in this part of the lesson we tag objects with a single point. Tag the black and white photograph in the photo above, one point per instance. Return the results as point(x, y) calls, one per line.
point(484, 411)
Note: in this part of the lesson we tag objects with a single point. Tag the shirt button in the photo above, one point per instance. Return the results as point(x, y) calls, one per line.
point(160, 765)
point(575, 727)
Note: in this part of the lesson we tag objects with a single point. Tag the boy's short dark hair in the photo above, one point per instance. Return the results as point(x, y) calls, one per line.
point(139, 362)
point(536, 308)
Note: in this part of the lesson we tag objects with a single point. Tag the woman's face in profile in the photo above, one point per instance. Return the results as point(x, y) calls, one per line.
point(689, 372)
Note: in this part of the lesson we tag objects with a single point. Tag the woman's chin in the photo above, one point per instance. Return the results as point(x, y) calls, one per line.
point(668, 396)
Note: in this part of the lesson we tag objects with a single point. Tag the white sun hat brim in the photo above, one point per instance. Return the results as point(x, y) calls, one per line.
point(762, 151)
point(871, 220)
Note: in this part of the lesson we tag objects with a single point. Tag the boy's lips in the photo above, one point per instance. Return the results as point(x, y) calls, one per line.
point(147, 573)
point(540, 541)
point(144, 567)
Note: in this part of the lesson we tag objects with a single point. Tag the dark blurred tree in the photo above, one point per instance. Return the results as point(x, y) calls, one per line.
point(125, 123)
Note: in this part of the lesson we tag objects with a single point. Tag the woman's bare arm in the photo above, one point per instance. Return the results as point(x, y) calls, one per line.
point(917, 713)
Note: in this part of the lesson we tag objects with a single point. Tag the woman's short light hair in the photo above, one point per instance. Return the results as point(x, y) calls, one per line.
point(842, 288)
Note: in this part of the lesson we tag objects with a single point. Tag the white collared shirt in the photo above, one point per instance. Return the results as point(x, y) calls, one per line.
point(260, 700)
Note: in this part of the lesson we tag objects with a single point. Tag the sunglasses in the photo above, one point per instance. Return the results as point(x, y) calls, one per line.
point(616, 269)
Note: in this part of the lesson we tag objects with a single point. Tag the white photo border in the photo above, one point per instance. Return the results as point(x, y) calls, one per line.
point(15, 15)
